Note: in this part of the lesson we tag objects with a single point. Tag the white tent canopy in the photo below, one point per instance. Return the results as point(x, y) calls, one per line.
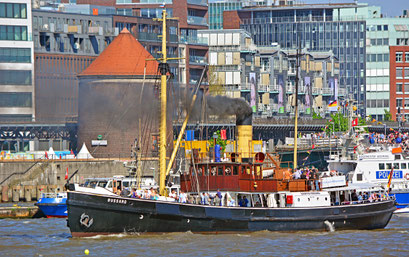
point(51, 154)
point(84, 153)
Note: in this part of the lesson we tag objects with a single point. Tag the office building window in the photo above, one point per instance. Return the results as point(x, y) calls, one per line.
point(385, 27)
point(15, 55)
point(15, 77)
point(399, 71)
point(399, 56)
point(13, 10)
point(406, 88)
point(407, 57)
point(17, 33)
point(399, 88)
point(399, 103)
point(15, 100)
point(406, 73)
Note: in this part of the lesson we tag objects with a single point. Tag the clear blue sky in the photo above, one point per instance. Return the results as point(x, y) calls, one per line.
point(390, 8)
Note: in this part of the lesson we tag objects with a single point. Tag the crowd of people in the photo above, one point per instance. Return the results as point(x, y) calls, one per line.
point(310, 174)
point(396, 138)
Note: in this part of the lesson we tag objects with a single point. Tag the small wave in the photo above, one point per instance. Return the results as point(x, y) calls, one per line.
point(120, 235)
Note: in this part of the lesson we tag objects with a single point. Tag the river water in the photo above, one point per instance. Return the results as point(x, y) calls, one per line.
point(51, 237)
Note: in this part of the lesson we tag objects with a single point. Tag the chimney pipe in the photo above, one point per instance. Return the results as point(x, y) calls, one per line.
point(244, 136)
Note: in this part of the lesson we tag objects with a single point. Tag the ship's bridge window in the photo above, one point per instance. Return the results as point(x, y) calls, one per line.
point(403, 165)
point(381, 166)
point(102, 183)
point(125, 184)
point(397, 157)
point(389, 166)
point(213, 171)
point(220, 171)
point(109, 184)
point(358, 177)
point(227, 171)
point(235, 170)
point(396, 165)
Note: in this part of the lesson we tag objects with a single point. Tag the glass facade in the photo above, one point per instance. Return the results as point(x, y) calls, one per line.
point(318, 31)
point(15, 77)
point(216, 12)
point(13, 10)
point(15, 55)
point(17, 33)
point(15, 100)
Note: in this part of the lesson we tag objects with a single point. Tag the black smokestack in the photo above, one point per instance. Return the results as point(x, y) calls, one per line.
point(244, 120)
point(222, 107)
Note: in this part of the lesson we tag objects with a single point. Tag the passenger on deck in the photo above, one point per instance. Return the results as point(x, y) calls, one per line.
point(206, 199)
point(173, 194)
point(360, 197)
point(202, 198)
point(182, 197)
point(245, 201)
point(133, 193)
point(354, 196)
point(219, 198)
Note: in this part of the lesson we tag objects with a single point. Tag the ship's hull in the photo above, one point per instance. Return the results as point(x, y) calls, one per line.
point(90, 214)
point(402, 199)
point(53, 210)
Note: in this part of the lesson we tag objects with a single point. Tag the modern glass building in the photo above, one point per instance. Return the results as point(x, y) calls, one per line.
point(318, 27)
point(381, 34)
point(16, 62)
point(216, 8)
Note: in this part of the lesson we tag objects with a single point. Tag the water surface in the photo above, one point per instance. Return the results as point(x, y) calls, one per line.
point(51, 237)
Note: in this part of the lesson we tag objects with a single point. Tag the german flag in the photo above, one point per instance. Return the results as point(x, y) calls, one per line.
point(390, 179)
point(333, 104)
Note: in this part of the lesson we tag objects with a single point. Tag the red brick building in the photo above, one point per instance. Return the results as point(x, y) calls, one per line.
point(399, 81)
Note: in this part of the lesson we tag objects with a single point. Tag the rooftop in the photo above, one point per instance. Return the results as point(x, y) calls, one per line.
point(125, 56)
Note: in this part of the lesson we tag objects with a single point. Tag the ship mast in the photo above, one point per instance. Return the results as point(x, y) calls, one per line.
point(297, 65)
point(162, 130)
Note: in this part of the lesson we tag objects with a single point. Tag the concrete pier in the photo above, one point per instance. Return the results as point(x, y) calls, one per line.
point(20, 212)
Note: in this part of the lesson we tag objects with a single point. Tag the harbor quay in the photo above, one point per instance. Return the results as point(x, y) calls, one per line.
point(27, 180)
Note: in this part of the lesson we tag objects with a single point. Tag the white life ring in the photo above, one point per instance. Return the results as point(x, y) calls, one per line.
point(407, 176)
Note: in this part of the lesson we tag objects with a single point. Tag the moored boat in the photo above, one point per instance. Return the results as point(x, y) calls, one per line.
point(53, 205)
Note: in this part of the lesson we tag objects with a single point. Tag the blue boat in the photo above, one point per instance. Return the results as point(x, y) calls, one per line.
point(402, 199)
point(53, 205)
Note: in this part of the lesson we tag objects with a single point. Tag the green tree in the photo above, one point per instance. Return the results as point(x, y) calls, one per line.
point(316, 116)
point(337, 123)
point(340, 123)
point(219, 141)
point(388, 115)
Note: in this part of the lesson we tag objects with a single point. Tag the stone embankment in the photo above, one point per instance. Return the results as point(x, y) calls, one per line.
point(28, 180)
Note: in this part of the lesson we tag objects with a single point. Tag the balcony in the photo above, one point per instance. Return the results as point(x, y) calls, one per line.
point(153, 1)
point(274, 107)
point(316, 91)
point(342, 91)
point(327, 91)
point(263, 88)
point(197, 2)
point(74, 29)
point(197, 60)
point(95, 30)
point(146, 36)
point(194, 40)
point(274, 88)
point(196, 20)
